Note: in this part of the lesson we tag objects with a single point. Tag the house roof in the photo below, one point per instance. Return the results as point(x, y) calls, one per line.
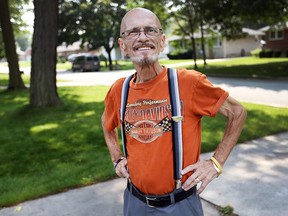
point(264, 29)
point(76, 46)
point(252, 32)
point(267, 28)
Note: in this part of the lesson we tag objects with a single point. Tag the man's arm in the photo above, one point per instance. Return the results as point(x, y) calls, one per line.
point(112, 142)
point(204, 170)
point(236, 115)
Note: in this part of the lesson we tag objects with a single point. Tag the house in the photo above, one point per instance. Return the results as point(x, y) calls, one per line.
point(64, 51)
point(219, 47)
point(276, 37)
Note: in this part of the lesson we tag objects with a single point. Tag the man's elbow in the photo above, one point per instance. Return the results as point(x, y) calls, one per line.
point(241, 113)
point(103, 120)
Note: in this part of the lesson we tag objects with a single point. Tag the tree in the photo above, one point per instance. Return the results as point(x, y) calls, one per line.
point(187, 16)
point(15, 80)
point(199, 15)
point(43, 90)
point(107, 24)
point(94, 23)
point(15, 11)
point(158, 7)
point(258, 13)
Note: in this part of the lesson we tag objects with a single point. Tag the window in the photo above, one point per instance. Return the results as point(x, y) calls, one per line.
point(217, 42)
point(276, 34)
point(89, 58)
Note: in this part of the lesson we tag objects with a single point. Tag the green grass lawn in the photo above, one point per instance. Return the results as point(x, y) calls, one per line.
point(248, 67)
point(49, 150)
point(4, 79)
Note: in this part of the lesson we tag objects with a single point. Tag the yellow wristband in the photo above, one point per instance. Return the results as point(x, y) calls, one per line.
point(216, 165)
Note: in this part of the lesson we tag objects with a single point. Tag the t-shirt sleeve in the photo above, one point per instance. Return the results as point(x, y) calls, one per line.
point(207, 99)
point(112, 107)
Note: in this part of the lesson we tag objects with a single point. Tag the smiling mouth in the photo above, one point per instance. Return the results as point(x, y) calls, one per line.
point(144, 48)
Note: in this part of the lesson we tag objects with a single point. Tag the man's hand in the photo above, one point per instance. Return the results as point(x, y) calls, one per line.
point(112, 142)
point(203, 172)
point(121, 169)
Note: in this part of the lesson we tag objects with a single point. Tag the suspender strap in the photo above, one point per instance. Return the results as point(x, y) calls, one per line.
point(176, 125)
point(124, 97)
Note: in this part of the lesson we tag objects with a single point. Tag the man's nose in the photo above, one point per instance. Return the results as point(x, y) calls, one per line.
point(142, 36)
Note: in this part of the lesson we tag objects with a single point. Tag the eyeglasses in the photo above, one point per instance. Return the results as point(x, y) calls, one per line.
point(132, 34)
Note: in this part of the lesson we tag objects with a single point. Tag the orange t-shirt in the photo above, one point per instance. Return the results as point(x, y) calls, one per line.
point(148, 125)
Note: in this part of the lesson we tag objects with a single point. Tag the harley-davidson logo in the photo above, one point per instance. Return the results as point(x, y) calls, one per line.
point(145, 131)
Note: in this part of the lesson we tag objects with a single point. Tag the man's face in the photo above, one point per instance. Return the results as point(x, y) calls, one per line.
point(142, 38)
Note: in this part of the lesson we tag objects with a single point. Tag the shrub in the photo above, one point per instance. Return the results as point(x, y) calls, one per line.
point(266, 54)
point(181, 54)
point(277, 53)
point(256, 52)
point(269, 53)
point(272, 53)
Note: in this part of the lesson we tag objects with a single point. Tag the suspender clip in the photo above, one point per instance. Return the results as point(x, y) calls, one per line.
point(177, 118)
point(178, 183)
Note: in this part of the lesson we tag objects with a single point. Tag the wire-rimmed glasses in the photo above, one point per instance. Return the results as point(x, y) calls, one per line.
point(150, 32)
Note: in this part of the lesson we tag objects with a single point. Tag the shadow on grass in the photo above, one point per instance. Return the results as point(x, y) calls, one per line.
point(48, 150)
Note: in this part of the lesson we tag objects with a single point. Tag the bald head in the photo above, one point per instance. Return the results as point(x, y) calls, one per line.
point(137, 15)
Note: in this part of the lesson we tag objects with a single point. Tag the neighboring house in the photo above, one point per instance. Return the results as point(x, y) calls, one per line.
point(28, 54)
point(242, 46)
point(276, 37)
point(223, 48)
point(75, 48)
point(64, 51)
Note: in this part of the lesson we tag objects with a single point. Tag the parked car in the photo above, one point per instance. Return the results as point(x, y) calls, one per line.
point(86, 62)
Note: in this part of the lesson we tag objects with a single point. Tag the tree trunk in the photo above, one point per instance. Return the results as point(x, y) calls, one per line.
point(194, 51)
point(110, 61)
point(108, 50)
point(43, 90)
point(203, 44)
point(15, 80)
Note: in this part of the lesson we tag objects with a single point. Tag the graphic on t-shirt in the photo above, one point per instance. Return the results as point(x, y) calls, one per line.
point(146, 120)
point(147, 131)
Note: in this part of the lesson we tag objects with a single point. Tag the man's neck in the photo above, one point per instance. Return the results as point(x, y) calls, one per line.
point(147, 72)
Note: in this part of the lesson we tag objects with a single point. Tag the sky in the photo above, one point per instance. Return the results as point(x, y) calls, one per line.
point(28, 17)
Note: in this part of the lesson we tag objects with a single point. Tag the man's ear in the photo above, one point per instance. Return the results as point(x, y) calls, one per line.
point(122, 46)
point(163, 42)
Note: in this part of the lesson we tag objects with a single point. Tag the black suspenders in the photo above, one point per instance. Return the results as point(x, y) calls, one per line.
point(176, 123)
point(124, 97)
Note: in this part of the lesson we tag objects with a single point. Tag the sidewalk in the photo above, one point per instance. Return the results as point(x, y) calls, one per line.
point(254, 180)
point(254, 183)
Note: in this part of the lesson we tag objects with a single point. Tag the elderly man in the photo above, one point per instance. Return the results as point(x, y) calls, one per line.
point(148, 126)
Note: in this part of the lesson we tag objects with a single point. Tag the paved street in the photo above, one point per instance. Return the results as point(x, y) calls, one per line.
point(272, 92)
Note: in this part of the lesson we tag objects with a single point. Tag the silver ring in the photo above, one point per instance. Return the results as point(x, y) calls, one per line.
point(197, 180)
